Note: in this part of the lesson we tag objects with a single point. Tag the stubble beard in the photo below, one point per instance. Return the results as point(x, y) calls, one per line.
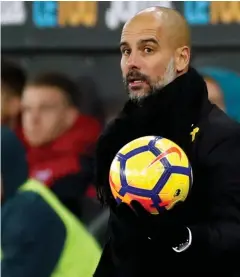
point(169, 76)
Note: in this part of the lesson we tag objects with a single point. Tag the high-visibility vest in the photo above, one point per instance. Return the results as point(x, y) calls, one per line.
point(81, 253)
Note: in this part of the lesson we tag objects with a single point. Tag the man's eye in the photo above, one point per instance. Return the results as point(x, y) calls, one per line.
point(148, 50)
point(125, 52)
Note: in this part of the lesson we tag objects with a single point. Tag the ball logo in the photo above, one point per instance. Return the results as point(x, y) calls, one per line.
point(177, 193)
point(162, 155)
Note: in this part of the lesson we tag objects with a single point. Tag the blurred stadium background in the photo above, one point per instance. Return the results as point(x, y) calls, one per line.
point(82, 38)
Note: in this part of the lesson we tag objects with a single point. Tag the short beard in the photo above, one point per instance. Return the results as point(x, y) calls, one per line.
point(169, 76)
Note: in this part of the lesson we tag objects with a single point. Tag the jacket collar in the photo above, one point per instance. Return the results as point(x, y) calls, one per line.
point(171, 112)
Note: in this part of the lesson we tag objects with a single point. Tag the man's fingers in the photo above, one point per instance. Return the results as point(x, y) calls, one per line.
point(139, 209)
point(125, 213)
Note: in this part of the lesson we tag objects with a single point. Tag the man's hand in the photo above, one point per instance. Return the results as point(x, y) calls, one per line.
point(137, 226)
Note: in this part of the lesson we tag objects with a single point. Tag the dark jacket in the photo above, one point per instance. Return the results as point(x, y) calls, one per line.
point(32, 235)
point(212, 210)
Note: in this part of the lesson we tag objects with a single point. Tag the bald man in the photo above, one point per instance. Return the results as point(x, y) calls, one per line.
point(168, 98)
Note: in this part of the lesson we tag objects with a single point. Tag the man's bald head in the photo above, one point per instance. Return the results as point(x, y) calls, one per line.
point(171, 22)
point(155, 46)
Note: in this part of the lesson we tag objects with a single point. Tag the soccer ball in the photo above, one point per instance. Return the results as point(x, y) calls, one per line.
point(152, 170)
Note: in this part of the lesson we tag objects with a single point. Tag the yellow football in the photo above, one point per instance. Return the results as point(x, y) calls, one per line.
point(152, 170)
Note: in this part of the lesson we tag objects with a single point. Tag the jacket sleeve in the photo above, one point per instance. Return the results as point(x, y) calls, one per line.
point(219, 236)
point(105, 152)
point(105, 266)
point(32, 238)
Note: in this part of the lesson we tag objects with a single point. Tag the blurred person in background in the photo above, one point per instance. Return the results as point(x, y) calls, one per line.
point(13, 80)
point(40, 237)
point(59, 139)
point(224, 89)
point(215, 94)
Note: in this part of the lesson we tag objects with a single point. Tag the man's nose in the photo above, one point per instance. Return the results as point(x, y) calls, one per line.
point(133, 61)
point(34, 117)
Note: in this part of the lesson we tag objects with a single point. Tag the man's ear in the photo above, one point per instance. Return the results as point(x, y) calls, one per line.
point(14, 105)
point(182, 58)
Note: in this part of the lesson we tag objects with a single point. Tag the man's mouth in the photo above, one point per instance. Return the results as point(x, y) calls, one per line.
point(135, 83)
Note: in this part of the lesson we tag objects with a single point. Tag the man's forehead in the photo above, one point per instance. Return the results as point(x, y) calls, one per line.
point(42, 94)
point(136, 35)
point(141, 26)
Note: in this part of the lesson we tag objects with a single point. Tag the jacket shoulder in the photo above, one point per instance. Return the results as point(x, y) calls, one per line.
point(218, 130)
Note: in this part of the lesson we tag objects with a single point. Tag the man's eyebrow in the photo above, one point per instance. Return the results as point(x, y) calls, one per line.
point(123, 43)
point(142, 41)
point(147, 40)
